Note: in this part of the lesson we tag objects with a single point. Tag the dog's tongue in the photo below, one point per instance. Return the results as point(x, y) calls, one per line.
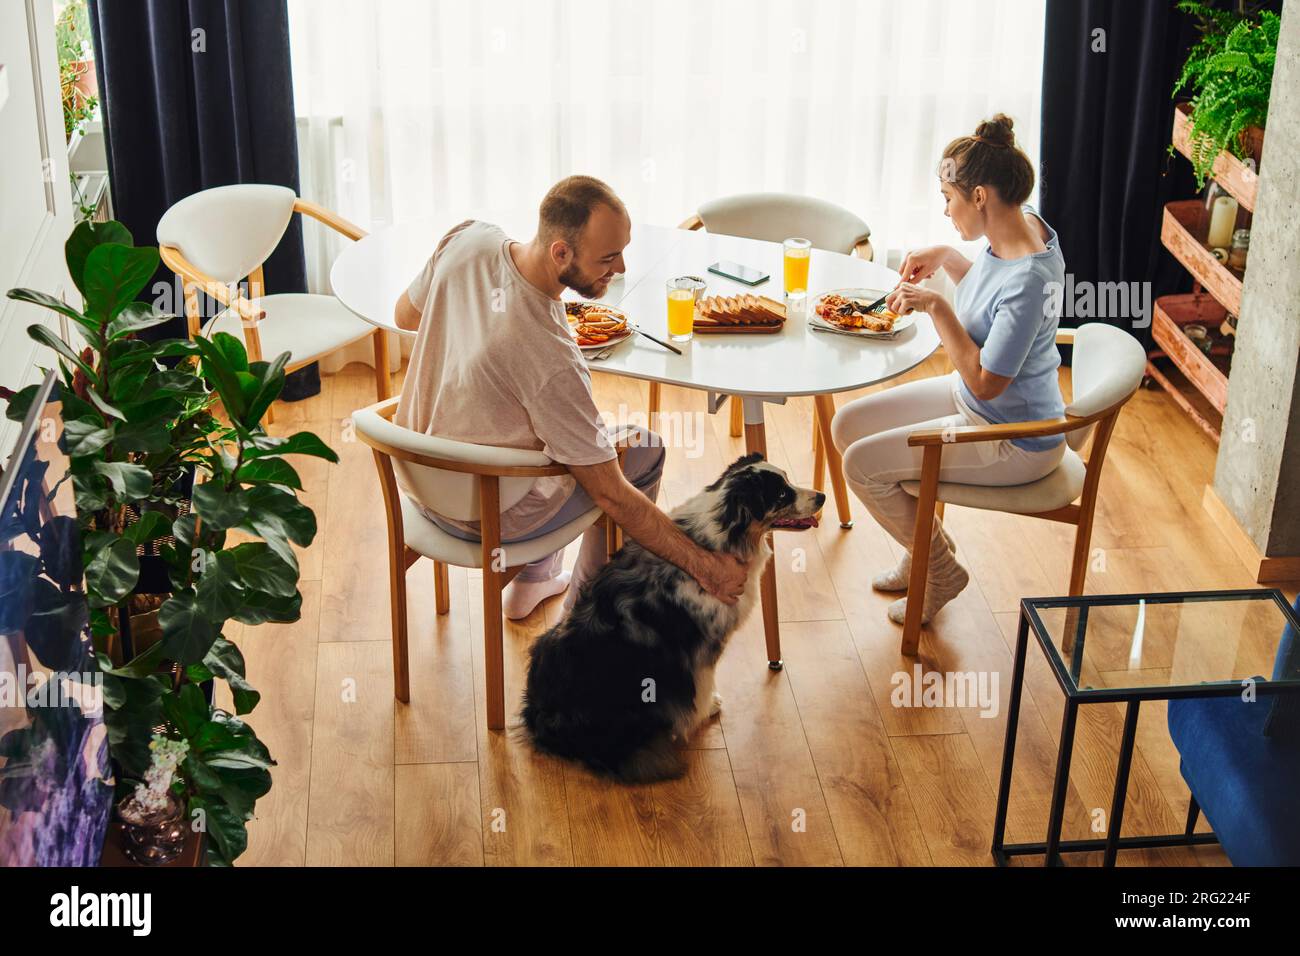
point(796, 523)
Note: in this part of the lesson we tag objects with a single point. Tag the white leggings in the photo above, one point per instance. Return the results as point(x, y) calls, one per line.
point(871, 433)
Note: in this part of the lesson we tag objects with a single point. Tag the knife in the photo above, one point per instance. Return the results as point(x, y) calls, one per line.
point(879, 302)
point(671, 348)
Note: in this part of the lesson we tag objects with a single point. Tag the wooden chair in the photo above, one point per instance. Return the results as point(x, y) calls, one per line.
point(775, 217)
point(217, 238)
point(1108, 368)
point(469, 483)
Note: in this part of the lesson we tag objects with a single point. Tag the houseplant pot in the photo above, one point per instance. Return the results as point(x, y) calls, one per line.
point(152, 837)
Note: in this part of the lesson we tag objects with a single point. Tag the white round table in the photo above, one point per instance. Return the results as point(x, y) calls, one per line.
point(370, 274)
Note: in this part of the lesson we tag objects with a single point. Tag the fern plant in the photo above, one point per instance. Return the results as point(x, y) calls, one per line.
point(1229, 71)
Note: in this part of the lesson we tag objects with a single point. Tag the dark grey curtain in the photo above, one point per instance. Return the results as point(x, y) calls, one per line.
point(1107, 117)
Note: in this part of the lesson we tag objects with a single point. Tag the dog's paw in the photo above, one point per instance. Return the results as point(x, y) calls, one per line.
point(716, 707)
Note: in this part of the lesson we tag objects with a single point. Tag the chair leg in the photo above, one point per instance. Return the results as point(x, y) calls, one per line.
point(397, 565)
point(270, 414)
point(441, 587)
point(397, 600)
point(494, 580)
point(611, 537)
point(1088, 503)
point(383, 383)
point(824, 406)
point(493, 650)
point(737, 417)
point(921, 550)
point(819, 460)
point(938, 510)
point(767, 600)
point(1079, 565)
point(652, 413)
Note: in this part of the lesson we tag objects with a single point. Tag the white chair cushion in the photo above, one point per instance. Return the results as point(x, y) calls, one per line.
point(428, 539)
point(306, 326)
point(777, 216)
point(228, 231)
point(1056, 490)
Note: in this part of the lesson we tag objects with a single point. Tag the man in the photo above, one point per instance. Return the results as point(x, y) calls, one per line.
point(494, 364)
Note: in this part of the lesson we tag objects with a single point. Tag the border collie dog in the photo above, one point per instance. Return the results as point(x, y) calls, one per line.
point(629, 673)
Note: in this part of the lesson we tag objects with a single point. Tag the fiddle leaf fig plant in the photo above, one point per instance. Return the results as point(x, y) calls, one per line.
point(155, 468)
point(1229, 72)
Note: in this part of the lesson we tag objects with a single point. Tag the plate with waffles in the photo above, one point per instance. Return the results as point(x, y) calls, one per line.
point(596, 326)
point(739, 313)
point(845, 310)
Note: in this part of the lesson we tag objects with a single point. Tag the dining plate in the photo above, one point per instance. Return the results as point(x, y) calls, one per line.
point(614, 339)
point(866, 297)
point(598, 312)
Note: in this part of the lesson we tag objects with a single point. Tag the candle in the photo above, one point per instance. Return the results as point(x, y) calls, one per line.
point(1223, 219)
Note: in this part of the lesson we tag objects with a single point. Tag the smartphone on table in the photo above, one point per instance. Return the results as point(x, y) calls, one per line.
point(734, 270)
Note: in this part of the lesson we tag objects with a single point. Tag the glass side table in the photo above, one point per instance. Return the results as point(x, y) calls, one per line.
point(1128, 648)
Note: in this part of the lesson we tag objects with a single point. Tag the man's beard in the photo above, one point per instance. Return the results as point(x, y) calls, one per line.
point(570, 279)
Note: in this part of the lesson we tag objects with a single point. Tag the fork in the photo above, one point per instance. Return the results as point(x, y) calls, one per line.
point(602, 354)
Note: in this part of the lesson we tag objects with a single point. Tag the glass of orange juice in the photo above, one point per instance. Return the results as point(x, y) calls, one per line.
point(681, 308)
point(798, 254)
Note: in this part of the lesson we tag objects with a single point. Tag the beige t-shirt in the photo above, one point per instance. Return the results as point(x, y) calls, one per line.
point(494, 364)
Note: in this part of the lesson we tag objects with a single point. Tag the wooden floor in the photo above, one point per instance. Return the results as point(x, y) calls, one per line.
point(809, 766)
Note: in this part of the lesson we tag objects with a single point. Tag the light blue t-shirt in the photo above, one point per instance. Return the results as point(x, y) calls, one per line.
point(1006, 306)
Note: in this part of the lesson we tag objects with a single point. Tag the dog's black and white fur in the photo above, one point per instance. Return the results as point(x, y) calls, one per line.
point(629, 673)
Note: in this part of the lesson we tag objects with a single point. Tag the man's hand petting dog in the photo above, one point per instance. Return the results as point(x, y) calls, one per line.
point(722, 575)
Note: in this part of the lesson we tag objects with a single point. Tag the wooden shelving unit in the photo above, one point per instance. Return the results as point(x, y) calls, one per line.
point(1218, 288)
point(1208, 374)
point(1231, 173)
point(1183, 234)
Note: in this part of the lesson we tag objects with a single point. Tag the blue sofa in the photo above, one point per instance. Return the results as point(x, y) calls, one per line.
point(1241, 761)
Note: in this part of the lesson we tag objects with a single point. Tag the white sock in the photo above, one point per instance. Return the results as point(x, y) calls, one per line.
point(522, 597)
point(952, 545)
point(943, 585)
point(897, 578)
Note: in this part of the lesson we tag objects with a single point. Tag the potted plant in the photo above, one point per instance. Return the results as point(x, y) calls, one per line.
point(77, 84)
point(1229, 72)
point(141, 430)
point(153, 817)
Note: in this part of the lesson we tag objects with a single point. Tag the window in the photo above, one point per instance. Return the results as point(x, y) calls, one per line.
point(446, 109)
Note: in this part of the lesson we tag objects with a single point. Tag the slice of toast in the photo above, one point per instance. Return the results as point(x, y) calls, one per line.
point(773, 310)
point(740, 310)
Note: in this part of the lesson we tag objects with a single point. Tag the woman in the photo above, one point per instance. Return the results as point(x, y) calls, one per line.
point(999, 333)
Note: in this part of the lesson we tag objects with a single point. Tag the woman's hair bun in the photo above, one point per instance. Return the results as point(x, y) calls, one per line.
point(996, 131)
point(989, 158)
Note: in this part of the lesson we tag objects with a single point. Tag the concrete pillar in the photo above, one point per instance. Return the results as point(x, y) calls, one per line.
point(1257, 475)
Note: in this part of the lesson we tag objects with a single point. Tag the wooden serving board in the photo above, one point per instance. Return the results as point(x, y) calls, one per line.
point(754, 307)
point(744, 329)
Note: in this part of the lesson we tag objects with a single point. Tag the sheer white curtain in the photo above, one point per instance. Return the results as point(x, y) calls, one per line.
point(443, 108)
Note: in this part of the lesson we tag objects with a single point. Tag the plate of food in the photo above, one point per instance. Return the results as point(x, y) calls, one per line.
point(846, 310)
point(596, 326)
